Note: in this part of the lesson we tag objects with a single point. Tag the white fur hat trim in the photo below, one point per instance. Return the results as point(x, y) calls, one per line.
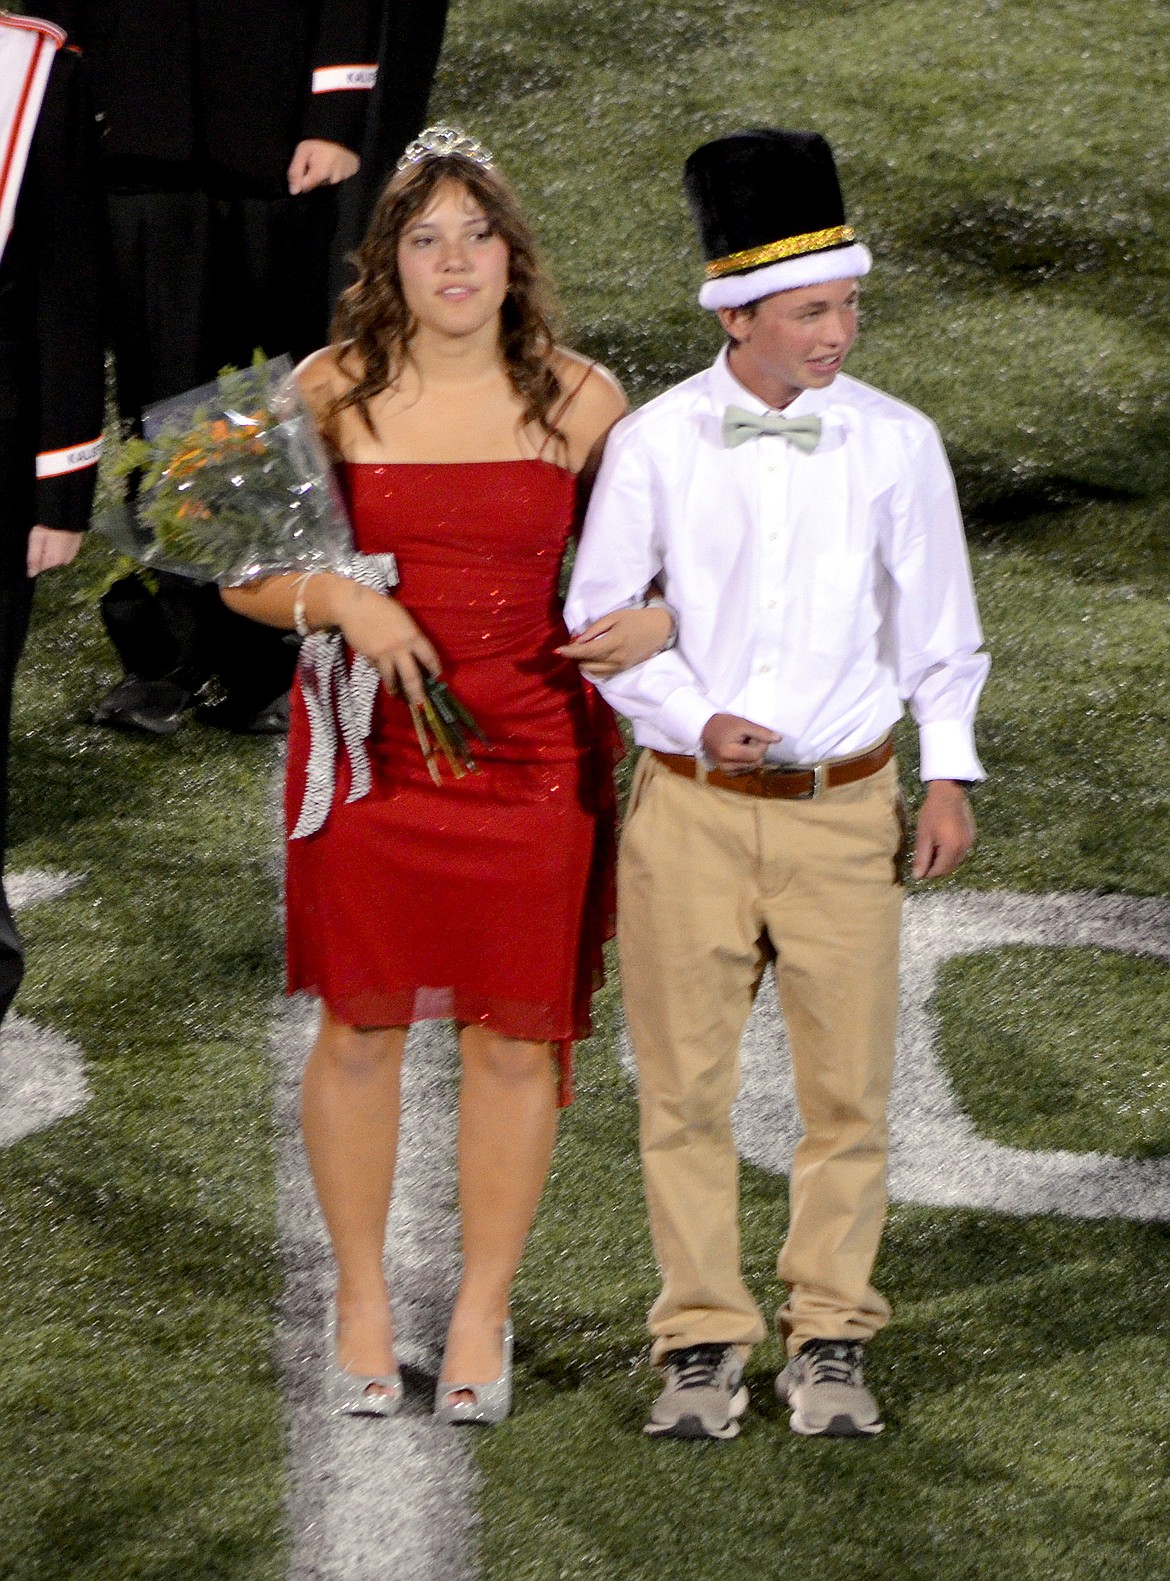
point(835, 263)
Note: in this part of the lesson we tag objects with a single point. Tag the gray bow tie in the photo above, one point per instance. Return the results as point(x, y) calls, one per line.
point(740, 425)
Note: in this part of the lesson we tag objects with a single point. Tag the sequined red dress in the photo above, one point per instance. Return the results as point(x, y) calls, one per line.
point(486, 899)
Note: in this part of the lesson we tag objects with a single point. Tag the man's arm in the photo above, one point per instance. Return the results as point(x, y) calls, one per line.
point(342, 73)
point(937, 635)
point(62, 168)
point(937, 640)
point(620, 553)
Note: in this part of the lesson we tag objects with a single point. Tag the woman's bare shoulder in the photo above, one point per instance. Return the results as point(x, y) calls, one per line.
point(594, 400)
point(325, 375)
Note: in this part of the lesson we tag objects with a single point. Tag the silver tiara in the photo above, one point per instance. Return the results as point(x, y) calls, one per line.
point(436, 141)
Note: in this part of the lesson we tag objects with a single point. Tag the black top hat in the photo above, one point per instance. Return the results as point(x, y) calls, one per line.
point(763, 196)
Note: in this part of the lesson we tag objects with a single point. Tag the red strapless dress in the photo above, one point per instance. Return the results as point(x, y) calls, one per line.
point(485, 899)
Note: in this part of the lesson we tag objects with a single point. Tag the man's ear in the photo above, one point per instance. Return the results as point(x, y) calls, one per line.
point(735, 321)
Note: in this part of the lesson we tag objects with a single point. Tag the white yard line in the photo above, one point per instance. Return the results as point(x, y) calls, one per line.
point(379, 1500)
point(376, 1500)
point(42, 1074)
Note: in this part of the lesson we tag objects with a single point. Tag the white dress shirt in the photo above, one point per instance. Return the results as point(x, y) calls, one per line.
point(815, 593)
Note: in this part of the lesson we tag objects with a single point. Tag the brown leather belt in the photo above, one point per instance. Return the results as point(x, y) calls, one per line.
point(790, 784)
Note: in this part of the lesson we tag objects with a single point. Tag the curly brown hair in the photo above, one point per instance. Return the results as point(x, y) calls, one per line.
point(373, 325)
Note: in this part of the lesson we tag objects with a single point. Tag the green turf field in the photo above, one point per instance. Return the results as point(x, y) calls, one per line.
point(1007, 162)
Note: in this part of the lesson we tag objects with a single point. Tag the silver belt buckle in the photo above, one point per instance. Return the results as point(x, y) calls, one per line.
point(820, 774)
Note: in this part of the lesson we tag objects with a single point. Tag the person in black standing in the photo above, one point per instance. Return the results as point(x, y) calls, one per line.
point(408, 56)
point(51, 381)
point(225, 131)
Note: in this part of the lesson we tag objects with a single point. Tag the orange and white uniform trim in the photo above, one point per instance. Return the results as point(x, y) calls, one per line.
point(72, 458)
point(27, 48)
point(340, 79)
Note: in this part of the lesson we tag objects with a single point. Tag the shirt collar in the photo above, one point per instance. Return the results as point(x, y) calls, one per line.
point(726, 390)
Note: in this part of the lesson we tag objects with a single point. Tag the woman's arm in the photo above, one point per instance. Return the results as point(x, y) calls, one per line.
point(596, 401)
point(373, 624)
point(622, 638)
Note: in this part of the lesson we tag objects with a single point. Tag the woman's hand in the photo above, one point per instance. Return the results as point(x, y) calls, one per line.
point(620, 639)
point(376, 626)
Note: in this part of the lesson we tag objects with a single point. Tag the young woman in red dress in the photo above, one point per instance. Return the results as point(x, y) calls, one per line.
point(465, 436)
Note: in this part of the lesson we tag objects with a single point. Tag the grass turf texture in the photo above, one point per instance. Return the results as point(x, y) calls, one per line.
point(140, 1426)
point(1002, 160)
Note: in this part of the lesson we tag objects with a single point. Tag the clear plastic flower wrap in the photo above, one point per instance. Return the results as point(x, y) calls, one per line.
point(231, 482)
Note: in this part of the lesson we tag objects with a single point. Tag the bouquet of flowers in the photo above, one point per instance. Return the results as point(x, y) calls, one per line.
point(230, 483)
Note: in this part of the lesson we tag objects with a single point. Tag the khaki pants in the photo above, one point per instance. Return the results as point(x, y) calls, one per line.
point(711, 885)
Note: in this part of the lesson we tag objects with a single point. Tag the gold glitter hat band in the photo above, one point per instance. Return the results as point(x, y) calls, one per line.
point(850, 262)
point(773, 252)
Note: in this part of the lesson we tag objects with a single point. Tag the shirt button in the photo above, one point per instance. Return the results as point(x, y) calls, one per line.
point(772, 537)
point(764, 668)
point(772, 602)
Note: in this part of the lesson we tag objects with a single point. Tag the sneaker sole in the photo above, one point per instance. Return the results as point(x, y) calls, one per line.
point(691, 1427)
point(835, 1427)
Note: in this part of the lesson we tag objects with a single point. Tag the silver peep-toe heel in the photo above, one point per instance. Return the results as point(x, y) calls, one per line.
point(489, 1403)
point(351, 1393)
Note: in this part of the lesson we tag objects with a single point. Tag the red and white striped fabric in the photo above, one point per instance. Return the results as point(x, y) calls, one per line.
point(27, 48)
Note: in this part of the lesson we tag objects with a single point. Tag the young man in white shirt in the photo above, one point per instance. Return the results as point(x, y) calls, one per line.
point(818, 571)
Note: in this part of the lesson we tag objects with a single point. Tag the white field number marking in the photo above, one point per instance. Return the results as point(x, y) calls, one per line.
point(42, 1074)
point(936, 1156)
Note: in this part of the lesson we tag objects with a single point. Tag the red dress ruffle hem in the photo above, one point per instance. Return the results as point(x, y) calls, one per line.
point(485, 899)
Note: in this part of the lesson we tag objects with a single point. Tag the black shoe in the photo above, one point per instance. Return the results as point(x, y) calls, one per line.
point(272, 720)
point(156, 707)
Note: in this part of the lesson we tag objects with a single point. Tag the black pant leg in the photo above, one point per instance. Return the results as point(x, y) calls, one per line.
point(159, 294)
point(158, 316)
point(270, 268)
point(197, 283)
point(15, 606)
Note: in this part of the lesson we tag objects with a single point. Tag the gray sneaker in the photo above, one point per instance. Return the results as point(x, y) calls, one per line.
point(824, 1386)
point(704, 1395)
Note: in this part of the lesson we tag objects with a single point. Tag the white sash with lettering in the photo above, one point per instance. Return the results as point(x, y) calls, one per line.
point(27, 48)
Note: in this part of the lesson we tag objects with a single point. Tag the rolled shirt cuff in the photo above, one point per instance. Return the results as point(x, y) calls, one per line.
point(947, 751)
point(683, 717)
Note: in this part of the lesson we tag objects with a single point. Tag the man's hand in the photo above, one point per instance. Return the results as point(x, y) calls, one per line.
point(49, 547)
point(946, 830)
point(316, 163)
point(736, 745)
